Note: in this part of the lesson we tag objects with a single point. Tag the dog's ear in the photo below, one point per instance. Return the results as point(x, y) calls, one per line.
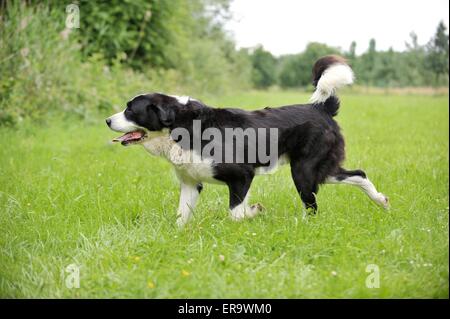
point(166, 114)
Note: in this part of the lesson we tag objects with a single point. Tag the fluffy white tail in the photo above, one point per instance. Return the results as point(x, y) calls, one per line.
point(330, 73)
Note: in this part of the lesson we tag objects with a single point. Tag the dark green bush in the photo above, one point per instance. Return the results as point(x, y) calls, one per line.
point(48, 69)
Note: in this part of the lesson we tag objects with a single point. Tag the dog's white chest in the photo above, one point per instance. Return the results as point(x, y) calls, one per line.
point(188, 164)
point(199, 172)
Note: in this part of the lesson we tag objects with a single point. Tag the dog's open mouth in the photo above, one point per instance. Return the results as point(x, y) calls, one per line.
point(131, 137)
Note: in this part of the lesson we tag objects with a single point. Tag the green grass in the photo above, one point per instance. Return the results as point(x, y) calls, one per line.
point(68, 196)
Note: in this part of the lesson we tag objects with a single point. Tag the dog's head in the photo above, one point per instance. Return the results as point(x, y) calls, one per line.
point(145, 116)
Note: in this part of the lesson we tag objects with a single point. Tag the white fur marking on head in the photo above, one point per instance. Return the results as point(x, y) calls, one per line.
point(120, 123)
point(334, 77)
point(182, 99)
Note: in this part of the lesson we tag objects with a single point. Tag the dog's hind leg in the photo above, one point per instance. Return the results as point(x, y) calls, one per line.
point(358, 178)
point(188, 198)
point(305, 182)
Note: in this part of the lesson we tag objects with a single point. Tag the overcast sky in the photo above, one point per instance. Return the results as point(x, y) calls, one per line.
point(286, 26)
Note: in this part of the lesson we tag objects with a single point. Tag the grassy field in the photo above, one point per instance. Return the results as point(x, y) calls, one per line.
point(68, 196)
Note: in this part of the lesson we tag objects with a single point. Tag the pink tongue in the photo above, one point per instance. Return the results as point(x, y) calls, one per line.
point(129, 136)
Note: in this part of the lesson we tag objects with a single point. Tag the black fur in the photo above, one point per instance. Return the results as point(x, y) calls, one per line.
point(343, 174)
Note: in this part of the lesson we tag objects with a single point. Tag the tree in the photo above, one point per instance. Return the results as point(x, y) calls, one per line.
point(413, 67)
point(437, 53)
point(296, 69)
point(264, 68)
point(367, 64)
point(386, 69)
point(289, 71)
point(151, 33)
point(351, 55)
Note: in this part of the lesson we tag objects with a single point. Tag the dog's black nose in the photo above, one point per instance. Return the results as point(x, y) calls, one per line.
point(108, 121)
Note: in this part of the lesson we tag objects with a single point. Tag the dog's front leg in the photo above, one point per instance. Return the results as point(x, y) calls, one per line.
point(188, 198)
point(239, 207)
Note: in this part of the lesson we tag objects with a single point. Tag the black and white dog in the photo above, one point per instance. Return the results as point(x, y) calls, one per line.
point(307, 137)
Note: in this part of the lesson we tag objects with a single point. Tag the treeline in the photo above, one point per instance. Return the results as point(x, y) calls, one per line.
point(418, 65)
point(189, 37)
point(178, 46)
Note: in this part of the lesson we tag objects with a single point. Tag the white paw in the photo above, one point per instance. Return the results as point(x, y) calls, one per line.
point(181, 222)
point(237, 216)
point(254, 210)
point(383, 201)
